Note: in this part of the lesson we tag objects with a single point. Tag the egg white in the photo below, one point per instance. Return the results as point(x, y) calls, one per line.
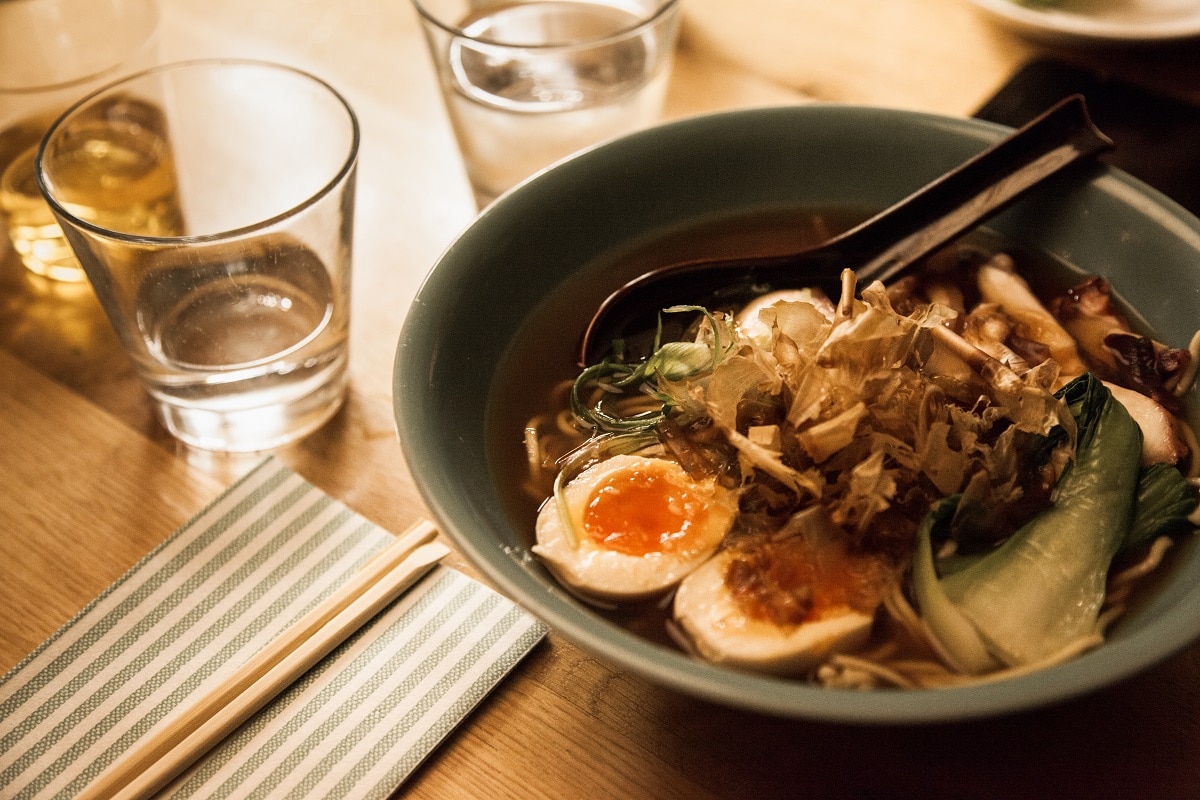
point(750, 323)
point(720, 631)
point(592, 571)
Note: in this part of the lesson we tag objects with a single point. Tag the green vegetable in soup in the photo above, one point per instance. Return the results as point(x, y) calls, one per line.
point(1164, 501)
point(1040, 592)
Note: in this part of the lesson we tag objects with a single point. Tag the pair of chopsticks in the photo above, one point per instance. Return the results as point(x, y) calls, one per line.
point(171, 749)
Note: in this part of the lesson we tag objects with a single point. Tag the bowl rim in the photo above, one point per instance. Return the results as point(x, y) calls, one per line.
point(1116, 660)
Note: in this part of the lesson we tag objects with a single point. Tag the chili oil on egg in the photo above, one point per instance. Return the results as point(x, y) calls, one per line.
point(638, 525)
point(780, 606)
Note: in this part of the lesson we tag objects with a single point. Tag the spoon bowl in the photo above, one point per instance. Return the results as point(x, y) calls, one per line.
point(878, 249)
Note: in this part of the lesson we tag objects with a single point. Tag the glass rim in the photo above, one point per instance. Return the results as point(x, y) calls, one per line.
point(665, 7)
point(343, 172)
point(145, 43)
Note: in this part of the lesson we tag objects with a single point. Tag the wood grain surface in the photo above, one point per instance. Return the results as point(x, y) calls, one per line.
point(89, 482)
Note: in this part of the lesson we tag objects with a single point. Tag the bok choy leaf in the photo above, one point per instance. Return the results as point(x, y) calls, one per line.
point(1042, 589)
point(1164, 501)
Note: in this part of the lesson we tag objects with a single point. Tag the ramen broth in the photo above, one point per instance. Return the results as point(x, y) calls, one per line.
point(544, 353)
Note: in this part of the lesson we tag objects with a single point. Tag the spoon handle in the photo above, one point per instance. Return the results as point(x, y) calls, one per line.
point(916, 226)
point(877, 249)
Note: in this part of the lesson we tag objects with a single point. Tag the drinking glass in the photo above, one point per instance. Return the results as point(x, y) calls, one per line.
point(238, 323)
point(528, 83)
point(53, 52)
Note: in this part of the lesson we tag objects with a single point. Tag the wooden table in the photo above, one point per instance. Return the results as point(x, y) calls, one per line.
point(89, 482)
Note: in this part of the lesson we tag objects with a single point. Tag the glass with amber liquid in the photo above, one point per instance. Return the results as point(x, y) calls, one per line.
point(52, 54)
point(123, 138)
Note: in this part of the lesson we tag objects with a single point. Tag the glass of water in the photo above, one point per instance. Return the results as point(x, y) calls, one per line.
point(237, 313)
point(528, 83)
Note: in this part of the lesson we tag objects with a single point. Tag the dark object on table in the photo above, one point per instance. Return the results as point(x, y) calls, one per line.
point(1157, 137)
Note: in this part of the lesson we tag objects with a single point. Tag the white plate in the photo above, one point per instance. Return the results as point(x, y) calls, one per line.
point(1098, 21)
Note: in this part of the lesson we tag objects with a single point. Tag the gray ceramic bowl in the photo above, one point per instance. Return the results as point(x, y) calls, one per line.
point(520, 251)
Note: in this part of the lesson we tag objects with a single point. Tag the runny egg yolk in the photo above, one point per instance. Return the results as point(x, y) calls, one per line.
point(637, 512)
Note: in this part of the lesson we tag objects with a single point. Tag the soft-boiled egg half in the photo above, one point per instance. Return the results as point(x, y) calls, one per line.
point(638, 525)
point(784, 607)
point(750, 321)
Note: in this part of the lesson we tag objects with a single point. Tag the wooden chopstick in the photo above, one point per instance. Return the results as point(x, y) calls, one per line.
point(203, 724)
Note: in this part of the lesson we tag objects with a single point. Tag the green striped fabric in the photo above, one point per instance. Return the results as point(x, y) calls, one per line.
point(210, 596)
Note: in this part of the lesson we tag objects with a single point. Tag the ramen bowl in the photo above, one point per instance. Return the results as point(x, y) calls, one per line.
point(526, 274)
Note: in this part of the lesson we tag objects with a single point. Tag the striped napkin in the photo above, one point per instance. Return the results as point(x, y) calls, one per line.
point(221, 587)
